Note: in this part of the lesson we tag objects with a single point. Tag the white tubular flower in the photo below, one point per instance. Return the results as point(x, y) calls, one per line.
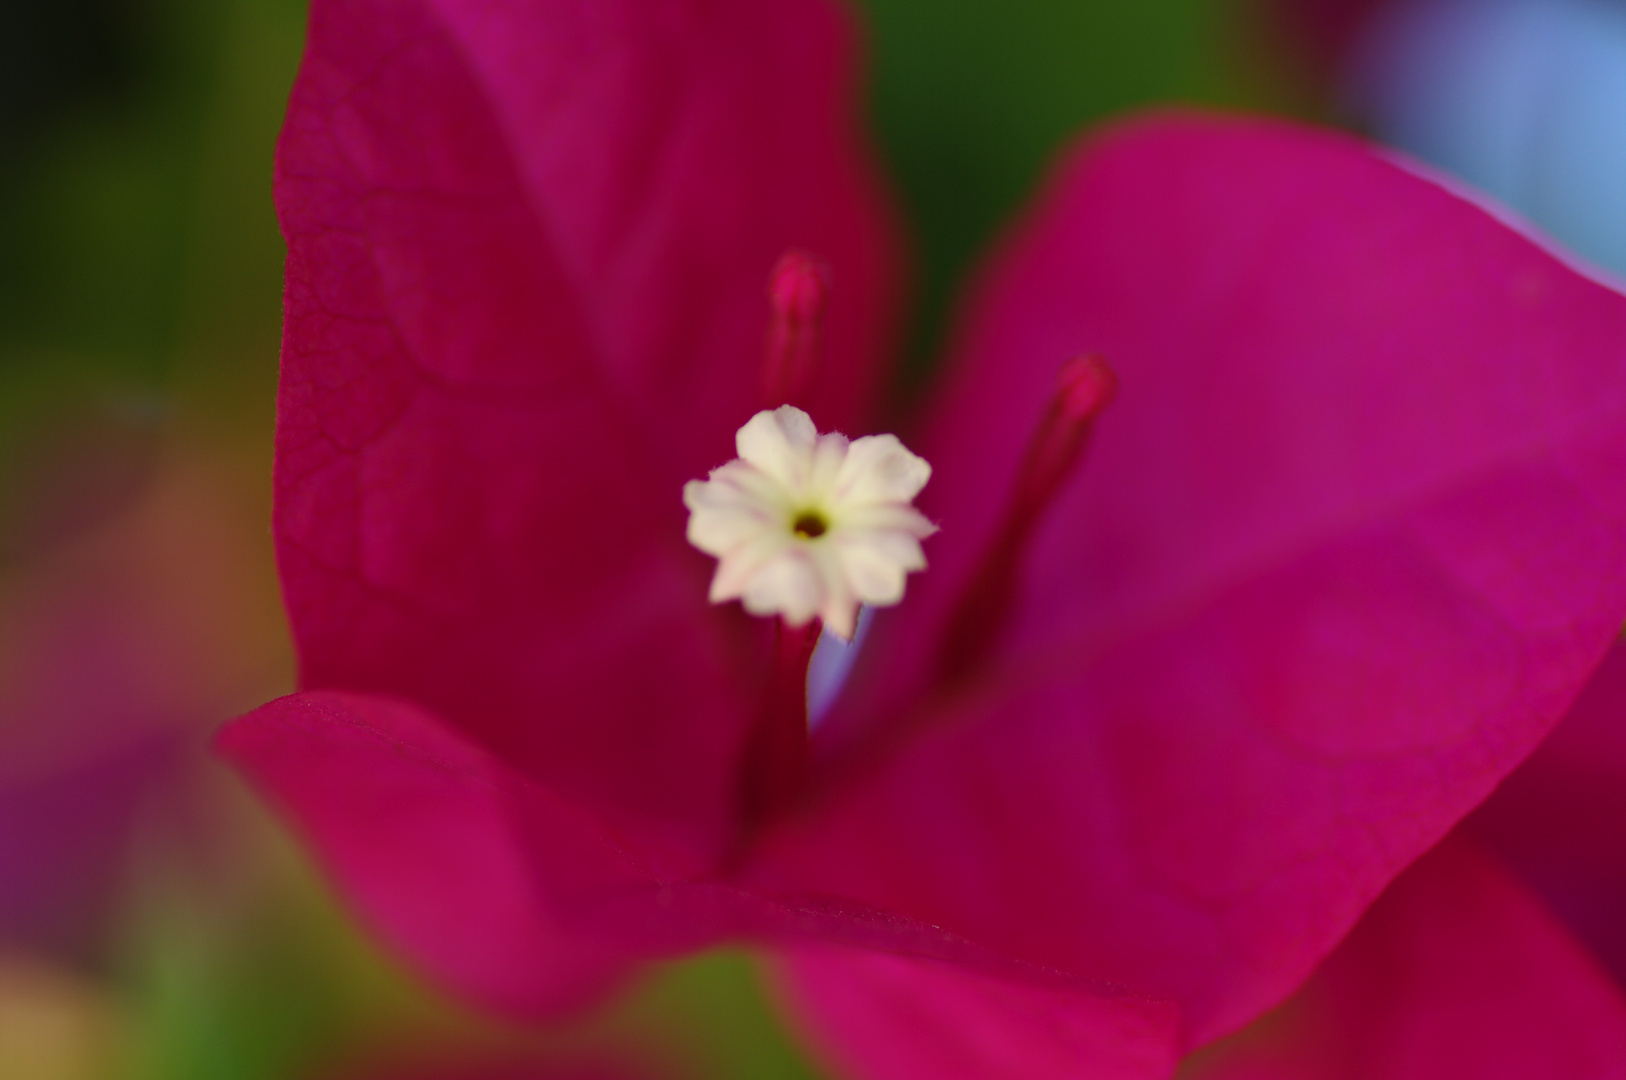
point(806, 525)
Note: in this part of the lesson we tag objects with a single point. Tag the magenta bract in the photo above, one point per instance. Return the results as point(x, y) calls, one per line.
point(1348, 543)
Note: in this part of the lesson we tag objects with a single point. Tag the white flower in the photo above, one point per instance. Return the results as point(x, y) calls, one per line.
point(804, 524)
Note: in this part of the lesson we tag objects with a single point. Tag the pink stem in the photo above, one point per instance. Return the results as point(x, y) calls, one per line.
point(775, 762)
point(1084, 387)
point(797, 289)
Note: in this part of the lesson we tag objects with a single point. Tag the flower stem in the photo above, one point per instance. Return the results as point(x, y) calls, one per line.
point(1084, 387)
point(774, 768)
point(797, 291)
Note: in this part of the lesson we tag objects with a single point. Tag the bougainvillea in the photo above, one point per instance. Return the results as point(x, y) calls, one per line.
point(1155, 726)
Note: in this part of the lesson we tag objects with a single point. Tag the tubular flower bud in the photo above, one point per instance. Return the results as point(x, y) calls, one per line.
point(806, 525)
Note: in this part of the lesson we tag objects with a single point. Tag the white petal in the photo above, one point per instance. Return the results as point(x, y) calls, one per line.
point(739, 567)
point(718, 530)
point(873, 572)
point(886, 517)
point(780, 443)
point(789, 585)
point(840, 617)
point(740, 480)
point(895, 547)
point(828, 457)
point(878, 469)
point(733, 507)
point(840, 607)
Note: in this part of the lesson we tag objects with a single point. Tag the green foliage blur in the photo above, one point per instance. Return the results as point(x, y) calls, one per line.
point(971, 99)
point(139, 317)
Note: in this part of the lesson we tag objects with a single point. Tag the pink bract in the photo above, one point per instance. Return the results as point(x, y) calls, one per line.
point(1560, 819)
point(1347, 546)
point(1455, 971)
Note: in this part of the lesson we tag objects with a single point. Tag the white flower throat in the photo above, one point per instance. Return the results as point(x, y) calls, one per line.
point(807, 525)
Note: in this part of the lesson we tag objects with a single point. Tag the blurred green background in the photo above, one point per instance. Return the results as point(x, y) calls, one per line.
point(139, 316)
